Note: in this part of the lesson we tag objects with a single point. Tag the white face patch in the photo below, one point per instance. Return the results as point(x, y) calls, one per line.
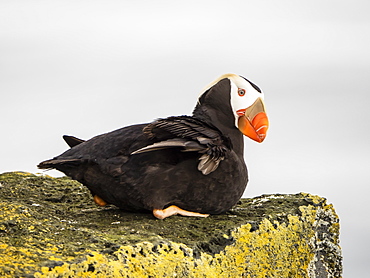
point(242, 95)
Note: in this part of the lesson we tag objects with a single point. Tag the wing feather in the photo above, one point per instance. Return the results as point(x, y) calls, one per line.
point(189, 134)
point(171, 143)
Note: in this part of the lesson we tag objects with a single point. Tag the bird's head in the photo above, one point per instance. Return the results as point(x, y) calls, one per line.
point(243, 98)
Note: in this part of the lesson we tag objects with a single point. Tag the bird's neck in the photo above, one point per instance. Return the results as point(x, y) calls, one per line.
point(224, 123)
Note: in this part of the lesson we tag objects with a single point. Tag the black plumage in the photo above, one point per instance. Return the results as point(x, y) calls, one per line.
point(193, 162)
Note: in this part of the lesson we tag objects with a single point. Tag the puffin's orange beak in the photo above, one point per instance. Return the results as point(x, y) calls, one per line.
point(253, 121)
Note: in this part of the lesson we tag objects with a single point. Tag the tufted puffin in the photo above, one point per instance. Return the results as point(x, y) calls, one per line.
point(186, 165)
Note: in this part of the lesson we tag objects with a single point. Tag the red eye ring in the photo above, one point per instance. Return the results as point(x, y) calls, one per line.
point(241, 92)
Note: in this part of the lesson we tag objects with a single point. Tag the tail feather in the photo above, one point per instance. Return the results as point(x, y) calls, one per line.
point(72, 141)
point(59, 163)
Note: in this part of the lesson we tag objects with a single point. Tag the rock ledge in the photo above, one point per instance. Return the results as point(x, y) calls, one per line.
point(49, 227)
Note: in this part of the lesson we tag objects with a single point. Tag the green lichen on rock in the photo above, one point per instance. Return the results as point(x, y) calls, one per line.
point(50, 227)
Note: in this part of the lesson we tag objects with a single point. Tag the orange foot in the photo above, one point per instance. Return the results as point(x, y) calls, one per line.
point(99, 201)
point(173, 210)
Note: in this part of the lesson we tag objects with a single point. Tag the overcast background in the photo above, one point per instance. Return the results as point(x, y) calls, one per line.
point(88, 67)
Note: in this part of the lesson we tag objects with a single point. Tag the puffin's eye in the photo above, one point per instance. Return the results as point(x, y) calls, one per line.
point(241, 92)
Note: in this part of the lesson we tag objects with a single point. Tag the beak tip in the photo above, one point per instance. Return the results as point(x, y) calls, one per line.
point(262, 138)
point(259, 138)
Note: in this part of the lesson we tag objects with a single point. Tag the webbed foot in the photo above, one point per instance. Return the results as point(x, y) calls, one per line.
point(99, 201)
point(173, 210)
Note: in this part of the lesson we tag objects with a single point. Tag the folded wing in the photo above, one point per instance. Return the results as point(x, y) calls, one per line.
point(190, 135)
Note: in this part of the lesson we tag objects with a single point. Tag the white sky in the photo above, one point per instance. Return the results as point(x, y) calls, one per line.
point(87, 67)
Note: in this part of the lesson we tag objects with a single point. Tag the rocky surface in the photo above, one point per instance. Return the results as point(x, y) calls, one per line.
point(50, 227)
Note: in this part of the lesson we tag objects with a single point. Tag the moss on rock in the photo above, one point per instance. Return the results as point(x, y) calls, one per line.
point(50, 227)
